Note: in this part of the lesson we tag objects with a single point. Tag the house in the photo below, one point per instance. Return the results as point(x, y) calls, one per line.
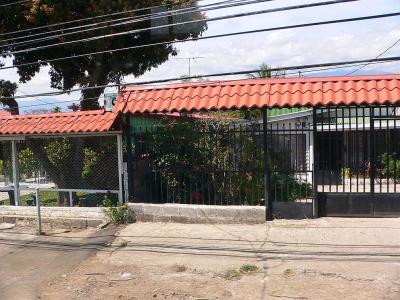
point(340, 134)
point(331, 143)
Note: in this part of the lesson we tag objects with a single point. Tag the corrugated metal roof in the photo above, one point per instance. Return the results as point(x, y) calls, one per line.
point(259, 93)
point(54, 123)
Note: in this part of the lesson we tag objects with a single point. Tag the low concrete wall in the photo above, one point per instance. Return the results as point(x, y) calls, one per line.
point(189, 213)
point(65, 217)
point(292, 210)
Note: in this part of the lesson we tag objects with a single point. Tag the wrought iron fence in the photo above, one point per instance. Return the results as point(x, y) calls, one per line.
point(358, 149)
point(204, 161)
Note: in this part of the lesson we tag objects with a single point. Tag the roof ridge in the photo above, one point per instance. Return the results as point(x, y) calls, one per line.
point(144, 88)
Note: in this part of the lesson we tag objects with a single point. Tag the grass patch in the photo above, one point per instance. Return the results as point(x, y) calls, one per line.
point(46, 199)
point(248, 269)
point(234, 274)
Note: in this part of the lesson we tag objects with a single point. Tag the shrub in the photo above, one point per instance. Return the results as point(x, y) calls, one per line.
point(390, 166)
point(120, 214)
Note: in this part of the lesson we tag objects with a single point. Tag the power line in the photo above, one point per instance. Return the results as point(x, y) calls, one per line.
point(14, 3)
point(298, 67)
point(187, 10)
point(289, 73)
point(379, 55)
point(88, 18)
point(337, 21)
point(238, 15)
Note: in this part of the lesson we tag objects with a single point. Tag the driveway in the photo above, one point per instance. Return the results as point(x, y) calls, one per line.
point(28, 262)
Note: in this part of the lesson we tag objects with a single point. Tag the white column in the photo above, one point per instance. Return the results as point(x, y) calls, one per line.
point(120, 168)
point(15, 172)
point(310, 146)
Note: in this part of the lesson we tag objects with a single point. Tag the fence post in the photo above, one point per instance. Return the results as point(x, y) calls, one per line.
point(372, 150)
point(314, 164)
point(120, 168)
point(129, 156)
point(14, 151)
point(71, 199)
point(267, 198)
point(39, 219)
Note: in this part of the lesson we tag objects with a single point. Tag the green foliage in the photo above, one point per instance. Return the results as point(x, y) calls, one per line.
point(285, 188)
point(347, 173)
point(120, 214)
point(211, 159)
point(248, 269)
point(100, 69)
point(233, 274)
point(28, 164)
point(390, 165)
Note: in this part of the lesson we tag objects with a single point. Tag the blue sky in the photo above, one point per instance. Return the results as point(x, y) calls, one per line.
point(339, 42)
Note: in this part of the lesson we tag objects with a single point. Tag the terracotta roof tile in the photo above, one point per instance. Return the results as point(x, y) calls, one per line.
point(53, 123)
point(259, 93)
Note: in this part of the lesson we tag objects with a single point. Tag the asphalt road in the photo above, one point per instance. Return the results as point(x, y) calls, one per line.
point(27, 262)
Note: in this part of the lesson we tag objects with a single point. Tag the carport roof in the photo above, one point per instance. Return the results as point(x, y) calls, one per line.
point(95, 121)
point(261, 93)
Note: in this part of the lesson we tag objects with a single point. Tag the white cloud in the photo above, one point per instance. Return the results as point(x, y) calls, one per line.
point(320, 44)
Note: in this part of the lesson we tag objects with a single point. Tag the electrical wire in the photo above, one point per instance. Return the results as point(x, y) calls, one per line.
point(337, 21)
point(14, 3)
point(288, 73)
point(232, 16)
point(136, 19)
point(88, 18)
point(378, 56)
point(298, 67)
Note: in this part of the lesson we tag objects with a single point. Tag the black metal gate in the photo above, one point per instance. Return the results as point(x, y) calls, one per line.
point(357, 161)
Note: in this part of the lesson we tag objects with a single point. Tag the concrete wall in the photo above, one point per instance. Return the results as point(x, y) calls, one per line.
point(82, 217)
point(292, 210)
point(65, 217)
point(187, 213)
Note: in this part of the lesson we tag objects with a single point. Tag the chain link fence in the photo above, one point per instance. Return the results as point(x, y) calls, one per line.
point(69, 171)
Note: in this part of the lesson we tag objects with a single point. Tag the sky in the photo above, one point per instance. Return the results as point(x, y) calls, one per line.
point(319, 44)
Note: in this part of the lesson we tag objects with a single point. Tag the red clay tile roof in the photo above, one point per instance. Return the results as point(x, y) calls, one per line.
point(259, 93)
point(4, 113)
point(74, 122)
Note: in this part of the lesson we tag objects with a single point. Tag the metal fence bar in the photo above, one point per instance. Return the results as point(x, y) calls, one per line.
point(15, 172)
point(120, 167)
point(314, 163)
point(268, 203)
point(89, 191)
point(39, 218)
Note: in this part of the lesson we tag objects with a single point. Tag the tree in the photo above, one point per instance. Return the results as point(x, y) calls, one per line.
point(7, 91)
point(265, 72)
point(99, 69)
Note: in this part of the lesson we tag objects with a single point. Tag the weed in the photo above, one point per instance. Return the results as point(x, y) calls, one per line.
point(120, 214)
point(248, 269)
point(123, 244)
point(179, 268)
point(232, 275)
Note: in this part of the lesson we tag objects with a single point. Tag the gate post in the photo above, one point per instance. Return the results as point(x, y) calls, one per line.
point(314, 164)
point(15, 172)
point(129, 157)
point(267, 198)
point(372, 150)
point(120, 168)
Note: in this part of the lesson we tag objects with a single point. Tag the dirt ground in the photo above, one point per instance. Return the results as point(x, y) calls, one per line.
point(310, 259)
point(29, 262)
